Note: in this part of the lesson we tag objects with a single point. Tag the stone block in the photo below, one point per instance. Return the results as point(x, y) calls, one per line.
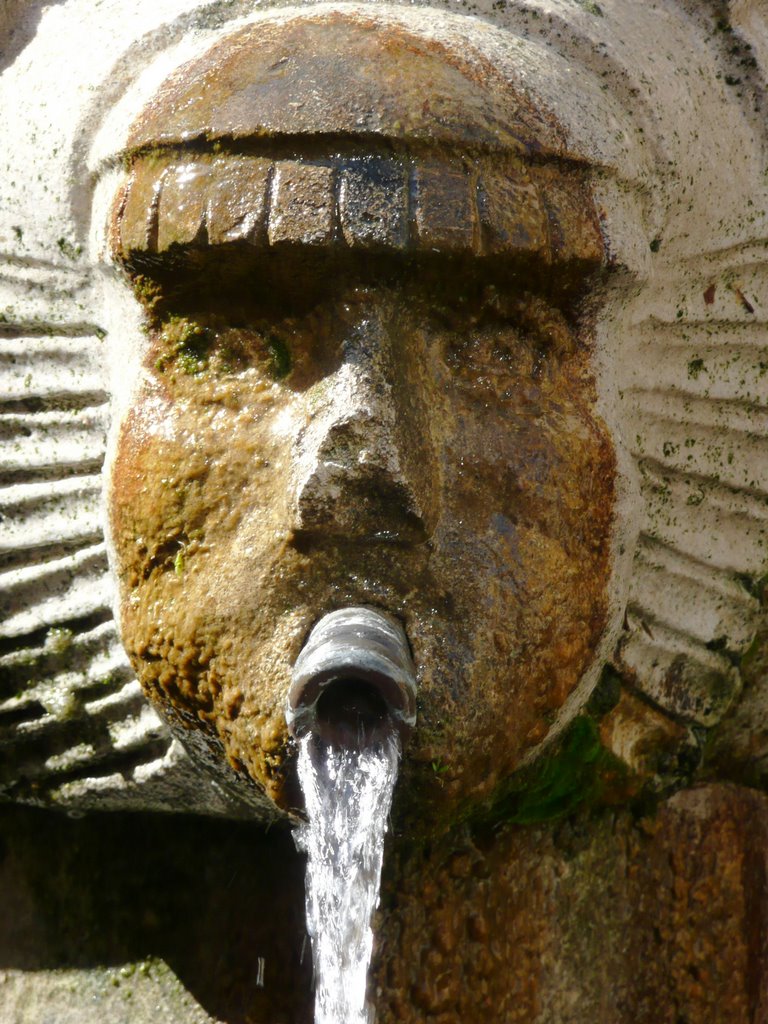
point(513, 219)
point(444, 209)
point(139, 217)
point(237, 199)
point(373, 204)
point(302, 204)
point(181, 208)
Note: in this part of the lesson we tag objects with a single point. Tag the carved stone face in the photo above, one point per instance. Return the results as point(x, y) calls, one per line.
point(362, 384)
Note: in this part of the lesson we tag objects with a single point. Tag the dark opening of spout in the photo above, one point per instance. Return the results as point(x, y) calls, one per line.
point(351, 713)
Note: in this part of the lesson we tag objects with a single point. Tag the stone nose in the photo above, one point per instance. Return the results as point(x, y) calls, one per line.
point(364, 463)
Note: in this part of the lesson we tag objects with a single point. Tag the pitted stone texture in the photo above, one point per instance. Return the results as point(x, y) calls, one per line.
point(603, 920)
point(373, 204)
point(303, 206)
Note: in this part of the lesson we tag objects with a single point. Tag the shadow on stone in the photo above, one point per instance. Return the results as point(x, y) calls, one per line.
point(19, 22)
point(221, 904)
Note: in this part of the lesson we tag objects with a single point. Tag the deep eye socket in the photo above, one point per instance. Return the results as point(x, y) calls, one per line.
point(194, 345)
point(486, 351)
point(520, 338)
point(293, 351)
point(269, 351)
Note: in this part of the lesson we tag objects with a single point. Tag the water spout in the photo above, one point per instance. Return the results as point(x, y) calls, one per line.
point(352, 700)
point(354, 681)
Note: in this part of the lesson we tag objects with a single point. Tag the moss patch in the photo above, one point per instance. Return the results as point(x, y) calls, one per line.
point(280, 356)
point(578, 771)
point(186, 344)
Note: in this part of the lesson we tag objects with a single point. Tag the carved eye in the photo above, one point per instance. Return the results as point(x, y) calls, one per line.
point(193, 346)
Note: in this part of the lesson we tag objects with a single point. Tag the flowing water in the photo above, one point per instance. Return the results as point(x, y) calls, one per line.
point(348, 795)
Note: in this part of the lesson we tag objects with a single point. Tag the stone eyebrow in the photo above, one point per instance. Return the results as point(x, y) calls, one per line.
point(492, 206)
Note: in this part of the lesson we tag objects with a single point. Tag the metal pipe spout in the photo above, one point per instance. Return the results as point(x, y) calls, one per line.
point(354, 681)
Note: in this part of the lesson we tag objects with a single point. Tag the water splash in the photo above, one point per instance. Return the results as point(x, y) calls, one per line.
point(348, 795)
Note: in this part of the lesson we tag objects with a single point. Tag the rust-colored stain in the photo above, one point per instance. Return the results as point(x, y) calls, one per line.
point(608, 919)
point(343, 75)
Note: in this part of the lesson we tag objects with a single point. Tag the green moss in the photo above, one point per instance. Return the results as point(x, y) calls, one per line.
point(146, 290)
point(695, 366)
point(280, 356)
point(186, 345)
point(574, 773)
point(591, 7)
point(59, 639)
point(178, 563)
point(68, 249)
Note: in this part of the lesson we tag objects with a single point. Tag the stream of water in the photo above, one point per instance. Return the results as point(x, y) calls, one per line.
point(348, 795)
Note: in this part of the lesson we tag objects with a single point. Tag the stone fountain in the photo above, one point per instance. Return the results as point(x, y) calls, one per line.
point(452, 315)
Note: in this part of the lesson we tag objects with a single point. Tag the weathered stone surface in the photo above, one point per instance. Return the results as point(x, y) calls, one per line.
point(120, 918)
point(394, 419)
point(608, 919)
point(237, 201)
point(373, 204)
point(318, 427)
point(641, 736)
point(303, 207)
point(444, 201)
point(664, 182)
point(330, 74)
point(138, 205)
point(181, 212)
point(574, 231)
point(512, 216)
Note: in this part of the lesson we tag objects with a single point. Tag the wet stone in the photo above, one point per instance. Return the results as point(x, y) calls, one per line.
point(237, 199)
point(444, 208)
point(303, 202)
point(373, 204)
point(138, 218)
point(573, 228)
point(181, 211)
point(512, 217)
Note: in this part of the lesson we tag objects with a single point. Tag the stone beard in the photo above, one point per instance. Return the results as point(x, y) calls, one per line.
point(363, 383)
